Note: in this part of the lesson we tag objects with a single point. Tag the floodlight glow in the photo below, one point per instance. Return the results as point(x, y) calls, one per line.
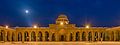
point(34, 26)
point(87, 26)
point(6, 26)
point(61, 23)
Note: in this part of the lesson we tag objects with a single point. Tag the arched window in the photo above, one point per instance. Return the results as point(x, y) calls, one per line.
point(2, 33)
point(33, 37)
point(96, 36)
point(26, 36)
point(53, 37)
point(71, 36)
point(8, 36)
point(46, 36)
point(19, 36)
point(77, 36)
point(83, 36)
point(13, 36)
point(40, 36)
point(89, 36)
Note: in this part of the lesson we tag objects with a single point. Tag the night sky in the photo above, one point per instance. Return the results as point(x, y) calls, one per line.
point(44, 12)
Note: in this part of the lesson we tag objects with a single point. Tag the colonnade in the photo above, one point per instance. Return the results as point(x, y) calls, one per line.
point(46, 36)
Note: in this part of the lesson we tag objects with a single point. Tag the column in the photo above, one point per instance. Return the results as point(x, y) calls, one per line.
point(22, 36)
point(68, 36)
point(29, 33)
point(115, 36)
point(43, 38)
point(5, 36)
point(98, 36)
point(80, 36)
point(57, 37)
point(36, 34)
point(50, 36)
point(74, 36)
point(93, 35)
point(86, 33)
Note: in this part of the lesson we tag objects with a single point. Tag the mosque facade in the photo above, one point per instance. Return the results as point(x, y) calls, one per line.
point(62, 30)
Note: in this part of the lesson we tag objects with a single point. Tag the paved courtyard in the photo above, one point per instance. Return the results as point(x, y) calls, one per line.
point(60, 43)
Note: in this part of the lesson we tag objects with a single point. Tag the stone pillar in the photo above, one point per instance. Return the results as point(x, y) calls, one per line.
point(5, 36)
point(86, 33)
point(43, 36)
point(93, 35)
point(50, 36)
point(29, 33)
point(110, 36)
point(16, 36)
point(10, 37)
point(80, 36)
point(22, 36)
point(98, 36)
point(74, 36)
point(36, 34)
point(68, 37)
point(115, 35)
point(57, 37)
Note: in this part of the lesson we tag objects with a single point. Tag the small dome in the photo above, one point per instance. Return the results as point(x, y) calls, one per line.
point(62, 16)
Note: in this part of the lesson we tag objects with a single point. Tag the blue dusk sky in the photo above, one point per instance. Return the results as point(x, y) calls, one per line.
point(44, 12)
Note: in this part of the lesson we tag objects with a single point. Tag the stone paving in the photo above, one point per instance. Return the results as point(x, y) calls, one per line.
point(60, 43)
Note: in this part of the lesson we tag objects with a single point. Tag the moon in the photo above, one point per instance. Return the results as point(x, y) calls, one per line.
point(26, 11)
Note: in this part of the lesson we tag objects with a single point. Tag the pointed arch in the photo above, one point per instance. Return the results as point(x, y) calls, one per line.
point(83, 36)
point(71, 37)
point(2, 35)
point(53, 37)
point(8, 36)
point(77, 36)
point(46, 36)
point(40, 36)
point(62, 37)
point(101, 36)
point(89, 36)
point(96, 36)
point(26, 36)
point(104, 36)
point(33, 37)
point(119, 35)
point(19, 36)
point(112, 36)
point(13, 36)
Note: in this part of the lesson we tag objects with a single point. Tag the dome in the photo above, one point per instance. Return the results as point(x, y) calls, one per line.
point(62, 18)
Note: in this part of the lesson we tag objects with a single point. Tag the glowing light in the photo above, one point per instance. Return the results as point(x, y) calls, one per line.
point(87, 26)
point(26, 11)
point(6, 26)
point(61, 23)
point(34, 26)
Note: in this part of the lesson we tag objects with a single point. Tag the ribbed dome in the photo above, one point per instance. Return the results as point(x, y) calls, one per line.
point(62, 16)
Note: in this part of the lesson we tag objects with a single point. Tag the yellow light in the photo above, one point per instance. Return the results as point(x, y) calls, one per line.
point(61, 23)
point(6, 26)
point(34, 26)
point(87, 26)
